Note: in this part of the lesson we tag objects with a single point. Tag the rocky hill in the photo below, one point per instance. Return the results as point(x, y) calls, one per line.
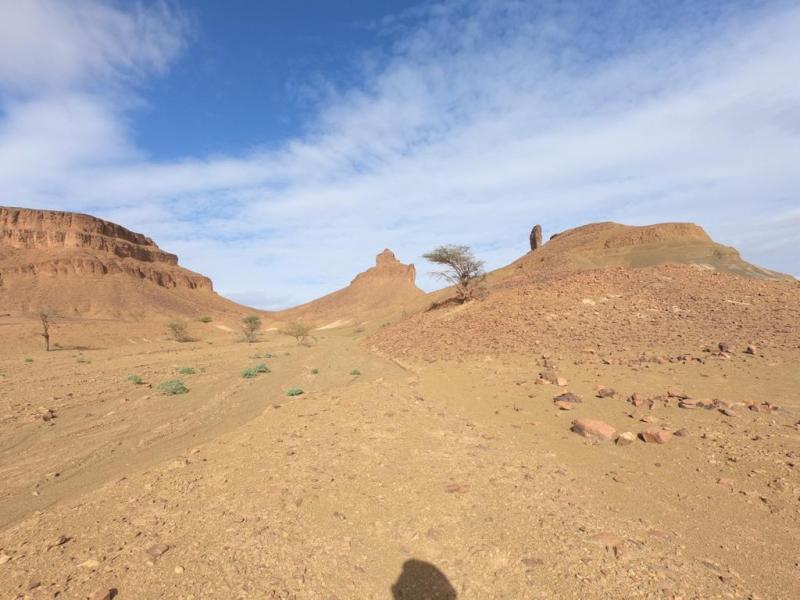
point(599, 245)
point(606, 287)
point(386, 288)
point(77, 264)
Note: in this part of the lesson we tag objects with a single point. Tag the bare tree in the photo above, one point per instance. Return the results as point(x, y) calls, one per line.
point(463, 270)
point(251, 325)
point(45, 317)
point(299, 331)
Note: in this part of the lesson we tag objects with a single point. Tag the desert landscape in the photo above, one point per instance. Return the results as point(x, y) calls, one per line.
point(613, 415)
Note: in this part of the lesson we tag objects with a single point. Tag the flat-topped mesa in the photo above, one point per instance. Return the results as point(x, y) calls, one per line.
point(388, 267)
point(29, 229)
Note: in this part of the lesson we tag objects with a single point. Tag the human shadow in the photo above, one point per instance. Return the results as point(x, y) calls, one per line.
point(420, 580)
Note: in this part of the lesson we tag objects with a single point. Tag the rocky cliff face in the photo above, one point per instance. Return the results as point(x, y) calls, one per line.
point(61, 244)
point(78, 265)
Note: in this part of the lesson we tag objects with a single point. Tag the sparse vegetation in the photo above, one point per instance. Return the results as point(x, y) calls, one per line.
point(205, 319)
point(186, 371)
point(355, 372)
point(179, 331)
point(294, 392)
point(315, 371)
point(300, 332)
point(173, 387)
point(462, 269)
point(135, 379)
point(251, 324)
point(28, 360)
point(83, 360)
point(255, 371)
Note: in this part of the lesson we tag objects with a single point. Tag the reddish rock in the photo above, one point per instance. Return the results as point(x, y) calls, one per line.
point(105, 594)
point(752, 350)
point(636, 400)
point(593, 428)
point(562, 405)
point(656, 435)
point(682, 432)
point(561, 382)
point(729, 412)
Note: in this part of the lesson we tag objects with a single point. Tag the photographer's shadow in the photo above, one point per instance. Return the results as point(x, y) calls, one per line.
point(420, 580)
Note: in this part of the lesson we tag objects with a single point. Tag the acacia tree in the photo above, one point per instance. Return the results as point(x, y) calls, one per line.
point(250, 325)
point(463, 270)
point(299, 331)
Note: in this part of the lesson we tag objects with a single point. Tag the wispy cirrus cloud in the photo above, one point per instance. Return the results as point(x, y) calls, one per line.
point(481, 120)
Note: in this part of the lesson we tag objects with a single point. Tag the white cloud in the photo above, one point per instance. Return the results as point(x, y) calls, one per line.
point(485, 119)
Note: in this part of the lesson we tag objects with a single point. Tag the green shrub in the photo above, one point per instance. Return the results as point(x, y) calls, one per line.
point(83, 360)
point(135, 380)
point(205, 319)
point(173, 387)
point(255, 371)
point(186, 371)
point(28, 360)
point(294, 392)
point(315, 371)
point(355, 372)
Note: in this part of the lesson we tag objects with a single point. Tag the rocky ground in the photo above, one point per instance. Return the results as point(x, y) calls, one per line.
point(460, 470)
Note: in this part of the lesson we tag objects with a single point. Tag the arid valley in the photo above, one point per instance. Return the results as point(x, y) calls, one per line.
point(616, 416)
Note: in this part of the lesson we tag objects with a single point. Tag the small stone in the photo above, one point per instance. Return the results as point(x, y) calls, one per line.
point(548, 376)
point(90, 564)
point(625, 439)
point(729, 412)
point(682, 432)
point(105, 594)
point(568, 397)
point(724, 481)
point(656, 436)
point(562, 405)
point(593, 428)
point(179, 570)
point(649, 419)
point(605, 392)
point(561, 382)
point(636, 400)
point(4, 558)
point(725, 347)
point(752, 350)
point(157, 550)
point(609, 541)
point(33, 584)
point(532, 562)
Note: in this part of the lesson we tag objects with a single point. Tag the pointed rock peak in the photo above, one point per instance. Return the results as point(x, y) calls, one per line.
point(386, 258)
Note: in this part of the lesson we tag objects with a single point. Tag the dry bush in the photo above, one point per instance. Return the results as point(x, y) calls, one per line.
point(179, 331)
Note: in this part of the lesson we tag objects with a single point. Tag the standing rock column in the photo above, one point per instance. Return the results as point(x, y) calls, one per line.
point(536, 237)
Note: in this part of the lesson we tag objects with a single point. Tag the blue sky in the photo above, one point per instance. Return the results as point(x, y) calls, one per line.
point(277, 147)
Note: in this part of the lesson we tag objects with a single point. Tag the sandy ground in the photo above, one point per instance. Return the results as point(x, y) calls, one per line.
point(413, 479)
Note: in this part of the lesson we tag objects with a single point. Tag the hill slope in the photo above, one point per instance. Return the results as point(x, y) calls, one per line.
point(386, 288)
